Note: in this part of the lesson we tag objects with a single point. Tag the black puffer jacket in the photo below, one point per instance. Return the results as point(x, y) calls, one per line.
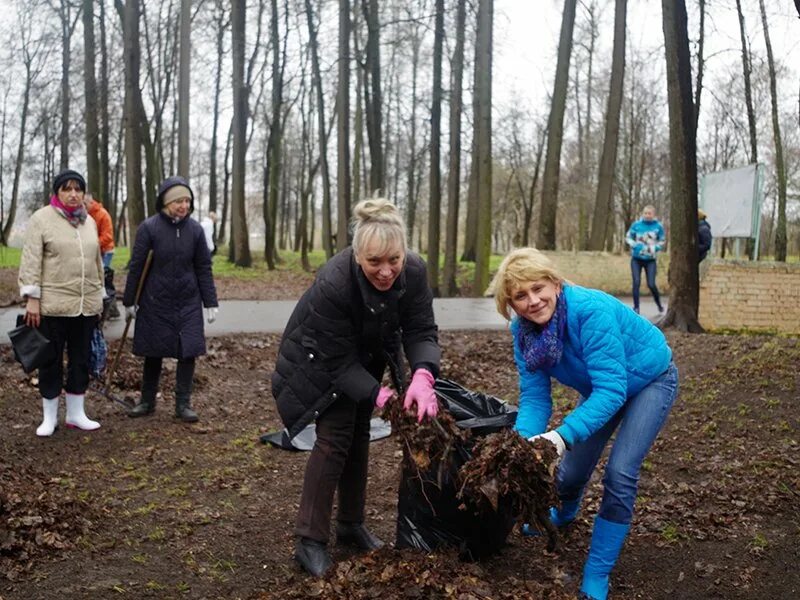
point(342, 333)
point(169, 322)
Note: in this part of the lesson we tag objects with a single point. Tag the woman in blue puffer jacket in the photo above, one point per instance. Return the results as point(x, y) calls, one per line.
point(622, 366)
point(646, 239)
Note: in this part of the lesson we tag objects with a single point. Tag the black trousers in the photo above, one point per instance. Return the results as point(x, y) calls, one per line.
point(339, 459)
point(74, 334)
point(184, 376)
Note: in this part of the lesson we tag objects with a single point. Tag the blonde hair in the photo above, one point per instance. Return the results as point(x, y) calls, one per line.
point(520, 266)
point(377, 219)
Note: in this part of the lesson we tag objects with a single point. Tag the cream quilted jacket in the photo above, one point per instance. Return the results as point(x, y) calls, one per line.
point(62, 265)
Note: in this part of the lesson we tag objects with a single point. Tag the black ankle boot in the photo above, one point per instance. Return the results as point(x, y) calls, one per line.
point(142, 409)
point(357, 534)
point(184, 412)
point(313, 556)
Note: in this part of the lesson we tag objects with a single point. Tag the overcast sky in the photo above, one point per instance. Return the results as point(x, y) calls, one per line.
point(526, 39)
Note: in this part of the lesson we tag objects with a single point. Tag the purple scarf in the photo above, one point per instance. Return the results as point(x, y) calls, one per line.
point(75, 216)
point(542, 347)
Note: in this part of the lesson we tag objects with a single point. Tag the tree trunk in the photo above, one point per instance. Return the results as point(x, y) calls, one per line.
point(701, 62)
point(373, 96)
point(683, 269)
point(483, 137)
point(605, 185)
point(435, 181)
point(780, 166)
point(239, 247)
point(343, 129)
point(748, 88)
point(327, 242)
point(106, 195)
point(93, 177)
point(411, 205)
point(275, 145)
point(184, 95)
point(67, 27)
point(133, 131)
point(546, 239)
point(220, 21)
point(449, 287)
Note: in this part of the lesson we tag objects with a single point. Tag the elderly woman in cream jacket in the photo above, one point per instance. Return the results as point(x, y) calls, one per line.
point(61, 279)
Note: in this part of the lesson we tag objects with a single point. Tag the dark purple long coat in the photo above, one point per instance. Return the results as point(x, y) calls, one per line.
point(169, 322)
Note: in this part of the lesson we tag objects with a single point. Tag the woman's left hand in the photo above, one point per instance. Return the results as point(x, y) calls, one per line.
point(33, 315)
point(421, 392)
point(555, 438)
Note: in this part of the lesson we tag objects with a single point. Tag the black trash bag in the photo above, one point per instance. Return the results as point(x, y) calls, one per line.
point(110, 310)
point(32, 348)
point(304, 441)
point(428, 513)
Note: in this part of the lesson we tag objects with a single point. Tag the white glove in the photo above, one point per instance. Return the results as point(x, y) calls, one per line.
point(554, 437)
point(211, 314)
point(130, 312)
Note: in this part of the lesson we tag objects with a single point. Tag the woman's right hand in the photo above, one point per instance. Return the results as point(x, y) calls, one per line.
point(33, 316)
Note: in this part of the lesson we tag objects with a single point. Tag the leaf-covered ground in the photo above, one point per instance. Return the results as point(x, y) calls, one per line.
point(155, 508)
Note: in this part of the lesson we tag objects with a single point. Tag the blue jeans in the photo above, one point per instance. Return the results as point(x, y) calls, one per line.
point(649, 266)
point(107, 256)
point(637, 423)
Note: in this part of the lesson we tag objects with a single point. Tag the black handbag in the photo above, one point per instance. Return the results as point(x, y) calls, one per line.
point(31, 348)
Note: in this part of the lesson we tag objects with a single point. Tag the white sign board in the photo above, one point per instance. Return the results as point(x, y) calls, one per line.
point(731, 199)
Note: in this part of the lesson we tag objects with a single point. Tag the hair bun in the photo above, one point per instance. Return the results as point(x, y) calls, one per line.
point(375, 209)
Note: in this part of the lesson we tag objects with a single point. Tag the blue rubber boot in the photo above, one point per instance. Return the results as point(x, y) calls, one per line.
point(607, 541)
point(559, 518)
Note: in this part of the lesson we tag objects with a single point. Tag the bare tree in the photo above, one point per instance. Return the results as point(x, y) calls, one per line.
point(683, 269)
point(105, 126)
point(780, 165)
point(221, 24)
point(701, 62)
point(748, 88)
point(373, 96)
point(239, 248)
point(33, 54)
point(483, 143)
point(546, 239)
point(93, 175)
point(133, 130)
point(605, 185)
point(343, 128)
point(183, 86)
point(435, 174)
point(275, 143)
point(327, 242)
point(68, 19)
point(454, 171)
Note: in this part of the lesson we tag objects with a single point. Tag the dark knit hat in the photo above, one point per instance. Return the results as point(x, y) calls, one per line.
point(68, 175)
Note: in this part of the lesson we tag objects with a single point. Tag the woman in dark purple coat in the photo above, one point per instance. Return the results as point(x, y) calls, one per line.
point(169, 317)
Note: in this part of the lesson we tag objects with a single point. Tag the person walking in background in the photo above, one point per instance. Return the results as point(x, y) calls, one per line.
point(105, 229)
point(169, 318)
point(646, 239)
point(61, 280)
point(704, 237)
point(365, 303)
point(622, 367)
point(208, 223)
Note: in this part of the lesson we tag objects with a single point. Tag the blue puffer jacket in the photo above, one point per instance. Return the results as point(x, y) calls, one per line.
point(610, 354)
point(646, 239)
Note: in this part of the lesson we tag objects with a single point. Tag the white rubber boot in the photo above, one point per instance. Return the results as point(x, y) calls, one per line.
point(76, 417)
point(49, 419)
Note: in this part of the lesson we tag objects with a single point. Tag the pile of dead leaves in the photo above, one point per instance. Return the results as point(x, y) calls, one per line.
point(506, 466)
point(426, 445)
point(37, 517)
point(401, 574)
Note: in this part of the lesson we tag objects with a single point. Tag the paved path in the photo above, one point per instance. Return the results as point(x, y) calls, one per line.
point(247, 316)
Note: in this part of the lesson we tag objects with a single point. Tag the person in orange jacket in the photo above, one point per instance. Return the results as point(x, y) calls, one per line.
point(105, 230)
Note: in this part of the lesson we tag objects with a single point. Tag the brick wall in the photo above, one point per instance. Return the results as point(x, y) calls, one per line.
point(750, 295)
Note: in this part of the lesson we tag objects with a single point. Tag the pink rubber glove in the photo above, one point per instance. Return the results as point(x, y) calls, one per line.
point(384, 395)
point(421, 392)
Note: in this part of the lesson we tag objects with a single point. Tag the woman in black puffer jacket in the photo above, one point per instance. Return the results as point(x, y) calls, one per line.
point(367, 303)
point(169, 318)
